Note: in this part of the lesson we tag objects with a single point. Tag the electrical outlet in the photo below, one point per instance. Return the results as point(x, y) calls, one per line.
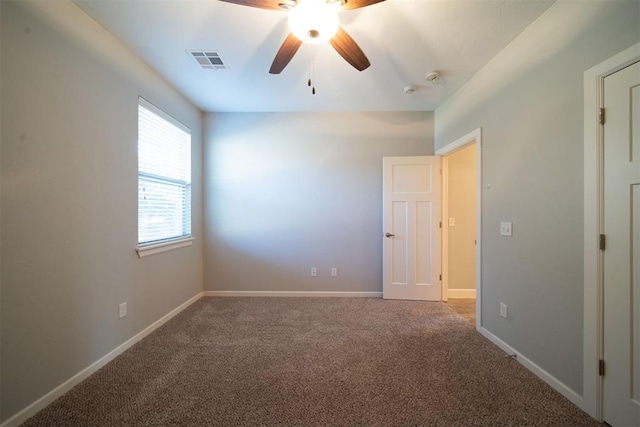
point(452, 222)
point(314, 272)
point(334, 272)
point(122, 310)
point(503, 310)
point(505, 229)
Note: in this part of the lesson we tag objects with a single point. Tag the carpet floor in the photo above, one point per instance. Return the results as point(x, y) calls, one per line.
point(464, 307)
point(312, 362)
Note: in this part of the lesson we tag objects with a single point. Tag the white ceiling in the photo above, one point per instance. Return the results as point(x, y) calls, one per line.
point(403, 39)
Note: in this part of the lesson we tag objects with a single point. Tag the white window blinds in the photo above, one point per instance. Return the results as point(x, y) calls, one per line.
point(164, 176)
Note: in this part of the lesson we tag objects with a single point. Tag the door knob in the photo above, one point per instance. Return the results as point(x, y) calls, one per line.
point(389, 235)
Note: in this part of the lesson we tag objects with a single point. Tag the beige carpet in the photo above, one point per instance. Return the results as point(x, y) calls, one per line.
point(464, 307)
point(304, 361)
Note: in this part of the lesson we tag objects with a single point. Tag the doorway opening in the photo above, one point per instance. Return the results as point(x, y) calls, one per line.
point(461, 225)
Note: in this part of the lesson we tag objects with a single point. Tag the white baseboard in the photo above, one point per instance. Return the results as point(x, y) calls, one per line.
point(461, 293)
point(45, 400)
point(292, 294)
point(545, 376)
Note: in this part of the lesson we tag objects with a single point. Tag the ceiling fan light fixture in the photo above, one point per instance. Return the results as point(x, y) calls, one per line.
point(314, 21)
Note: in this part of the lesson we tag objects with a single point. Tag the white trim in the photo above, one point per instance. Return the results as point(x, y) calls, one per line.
point(462, 293)
point(292, 294)
point(545, 376)
point(593, 315)
point(45, 400)
point(459, 143)
point(158, 248)
point(158, 112)
point(471, 137)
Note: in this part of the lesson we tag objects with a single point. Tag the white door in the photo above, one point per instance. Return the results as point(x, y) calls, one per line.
point(622, 250)
point(411, 233)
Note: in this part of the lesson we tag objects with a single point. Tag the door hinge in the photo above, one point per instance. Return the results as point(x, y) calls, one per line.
point(440, 224)
point(601, 368)
point(603, 242)
point(441, 277)
point(601, 118)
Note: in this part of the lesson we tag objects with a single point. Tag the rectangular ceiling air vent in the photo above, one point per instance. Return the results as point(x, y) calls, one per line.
point(208, 59)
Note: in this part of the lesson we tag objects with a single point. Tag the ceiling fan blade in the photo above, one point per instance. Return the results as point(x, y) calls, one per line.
point(262, 4)
point(284, 55)
point(349, 50)
point(356, 4)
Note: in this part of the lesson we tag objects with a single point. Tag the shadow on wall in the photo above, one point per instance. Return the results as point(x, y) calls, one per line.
point(296, 191)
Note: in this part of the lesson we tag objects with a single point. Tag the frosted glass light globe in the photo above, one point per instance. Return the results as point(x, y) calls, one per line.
point(314, 21)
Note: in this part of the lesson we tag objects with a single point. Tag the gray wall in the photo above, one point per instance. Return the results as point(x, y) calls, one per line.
point(69, 94)
point(287, 192)
point(529, 102)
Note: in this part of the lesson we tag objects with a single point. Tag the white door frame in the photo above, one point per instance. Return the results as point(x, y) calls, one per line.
point(470, 138)
point(593, 206)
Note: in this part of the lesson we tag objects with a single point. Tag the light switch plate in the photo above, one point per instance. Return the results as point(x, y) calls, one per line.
point(122, 310)
point(503, 310)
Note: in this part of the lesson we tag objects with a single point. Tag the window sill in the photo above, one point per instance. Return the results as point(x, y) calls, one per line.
point(158, 248)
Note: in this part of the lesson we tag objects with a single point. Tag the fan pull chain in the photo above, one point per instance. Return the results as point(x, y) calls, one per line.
point(309, 80)
point(313, 72)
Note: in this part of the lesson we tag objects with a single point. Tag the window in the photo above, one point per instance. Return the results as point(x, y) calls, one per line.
point(164, 178)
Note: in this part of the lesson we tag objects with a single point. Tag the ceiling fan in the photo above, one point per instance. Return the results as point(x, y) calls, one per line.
point(314, 21)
